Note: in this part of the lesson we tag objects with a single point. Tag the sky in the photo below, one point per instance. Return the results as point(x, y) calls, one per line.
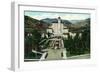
point(67, 16)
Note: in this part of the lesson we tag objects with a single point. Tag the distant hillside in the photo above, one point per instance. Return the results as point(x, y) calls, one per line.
point(74, 25)
point(75, 21)
point(54, 20)
point(30, 22)
point(80, 25)
point(34, 23)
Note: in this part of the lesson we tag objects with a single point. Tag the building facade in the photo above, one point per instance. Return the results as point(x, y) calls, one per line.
point(58, 29)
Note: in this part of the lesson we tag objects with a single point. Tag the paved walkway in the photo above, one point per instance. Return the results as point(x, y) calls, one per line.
point(54, 54)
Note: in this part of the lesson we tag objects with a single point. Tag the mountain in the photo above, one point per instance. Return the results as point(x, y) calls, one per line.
point(80, 23)
point(69, 23)
point(54, 20)
point(44, 23)
point(75, 21)
point(31, 24)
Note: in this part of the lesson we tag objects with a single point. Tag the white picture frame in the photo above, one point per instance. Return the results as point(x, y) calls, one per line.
point(17, 34)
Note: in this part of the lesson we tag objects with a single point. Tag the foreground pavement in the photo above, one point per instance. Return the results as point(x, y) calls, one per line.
point(85, 56)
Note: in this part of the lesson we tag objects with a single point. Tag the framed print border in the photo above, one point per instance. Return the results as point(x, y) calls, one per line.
point(17, 36)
